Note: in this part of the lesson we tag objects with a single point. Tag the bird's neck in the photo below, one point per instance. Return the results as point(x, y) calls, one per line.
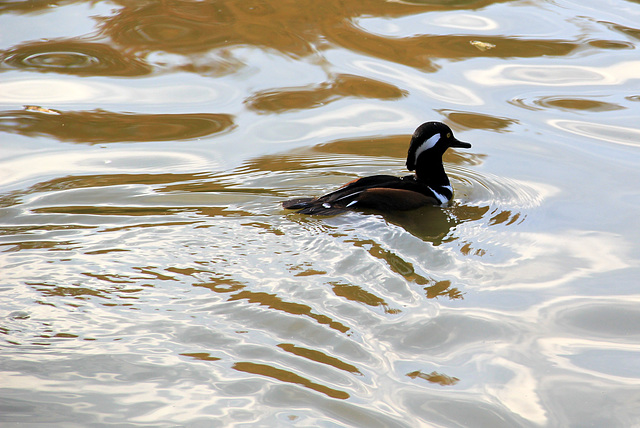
point(431, 173)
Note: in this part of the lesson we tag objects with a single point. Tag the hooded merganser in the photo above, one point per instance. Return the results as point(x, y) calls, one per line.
point(428, 186)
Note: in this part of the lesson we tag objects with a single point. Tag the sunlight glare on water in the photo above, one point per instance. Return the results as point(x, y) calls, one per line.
point(150, 276)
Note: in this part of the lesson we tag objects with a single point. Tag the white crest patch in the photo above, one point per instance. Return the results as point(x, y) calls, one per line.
point(429, 143)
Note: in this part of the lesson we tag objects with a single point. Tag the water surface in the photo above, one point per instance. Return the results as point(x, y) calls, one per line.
point(151, 278)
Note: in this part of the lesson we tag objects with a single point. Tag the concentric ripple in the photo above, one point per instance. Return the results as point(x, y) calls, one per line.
point(74, 57)
point(485, 188)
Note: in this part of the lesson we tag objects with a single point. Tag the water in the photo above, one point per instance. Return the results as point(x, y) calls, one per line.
point(150, 277)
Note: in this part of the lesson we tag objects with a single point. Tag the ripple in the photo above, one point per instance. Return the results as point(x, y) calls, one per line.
point(466, 22)
point(74, 57)
point(47, 91)
point(70, 90)
point(486, 188)
point(416, 24)
point(313, 96)
point(353, 118)
point(566, 103)
point(610, 133)
point(61, 60)
point(70, 162)
point(441, 91)
point(555, 75)
point(108, 127)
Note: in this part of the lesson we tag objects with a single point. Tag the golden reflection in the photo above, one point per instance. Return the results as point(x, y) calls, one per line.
point(358, 294)
point(319, 357)
point(191, 29)
point(188, 27)
point(202, 356)
point(400, 266)
point(343, 85)
point(99, 126)
point(37, 245)
point(288, 377)
point(225, 284)
point(88, 181)
point(81, 293)
point(434, 377)
point(77, 57)
point(221, 284)
point(419, 51)
point(274, 302)
point(466, 120)
point(108, 210)
point(569, 104)
point(443, 288)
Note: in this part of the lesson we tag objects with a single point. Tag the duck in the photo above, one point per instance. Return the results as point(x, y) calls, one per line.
point(429, 185)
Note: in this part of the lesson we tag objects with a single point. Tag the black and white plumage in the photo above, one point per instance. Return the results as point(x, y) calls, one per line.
point(428, 186)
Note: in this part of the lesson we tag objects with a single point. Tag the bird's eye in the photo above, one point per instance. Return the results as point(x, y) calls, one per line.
point(449, 135)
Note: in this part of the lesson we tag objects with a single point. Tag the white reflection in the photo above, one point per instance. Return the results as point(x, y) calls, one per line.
point(565, 353)
point(546, 260)
point(413, 25)
point(354, 118)
point(440, 91)
point(519, 393)
point(591, 334)
point(466, 22)
point(556, 75)
point(613, 134)
point(101, 161)
point(44, 91)
point(49, 91)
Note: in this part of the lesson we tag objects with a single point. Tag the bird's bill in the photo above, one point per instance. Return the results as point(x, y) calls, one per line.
point(459, 144)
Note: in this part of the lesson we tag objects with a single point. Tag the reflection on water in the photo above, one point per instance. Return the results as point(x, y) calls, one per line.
point(99, 127)
point(74, 57)
point(150, 276)
point(303, 98)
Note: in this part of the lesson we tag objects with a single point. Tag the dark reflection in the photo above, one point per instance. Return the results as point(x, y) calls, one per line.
point(319, 357)
point(289, 377)
point(74, 56)
point(277, 101)
point(434, 224)
point(434, 377)
point(99, 126)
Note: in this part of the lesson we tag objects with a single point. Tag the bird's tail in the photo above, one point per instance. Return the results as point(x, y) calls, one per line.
point(312, 206)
